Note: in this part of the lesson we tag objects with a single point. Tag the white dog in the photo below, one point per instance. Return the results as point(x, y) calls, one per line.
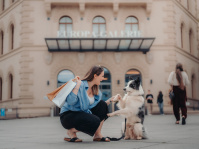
point(132, 108)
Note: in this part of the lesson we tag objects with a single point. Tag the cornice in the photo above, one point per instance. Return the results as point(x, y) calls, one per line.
point(82, 4)
point(10, 8)
point(187, 12)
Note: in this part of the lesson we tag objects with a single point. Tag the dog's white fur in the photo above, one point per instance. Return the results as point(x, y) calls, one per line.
point(129, 108)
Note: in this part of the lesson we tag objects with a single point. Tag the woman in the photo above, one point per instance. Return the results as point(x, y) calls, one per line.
point(160, 102)
point(84, 110)
point(178, 80)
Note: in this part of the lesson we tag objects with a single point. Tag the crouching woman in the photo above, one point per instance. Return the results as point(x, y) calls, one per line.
point(83, 109)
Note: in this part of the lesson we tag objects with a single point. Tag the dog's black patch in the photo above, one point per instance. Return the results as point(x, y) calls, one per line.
point(135, 84)
point(141, 113)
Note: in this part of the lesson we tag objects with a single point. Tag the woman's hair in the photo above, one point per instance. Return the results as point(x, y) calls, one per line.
point(179, 75)
point(160, 94)
point(90, 76)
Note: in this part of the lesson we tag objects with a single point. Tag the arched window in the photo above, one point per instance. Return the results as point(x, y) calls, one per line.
point(132, 73)
point(1, 88)
point(65, 26)
point(64, 76)
point(3, 5)
point(99, 26)
point(105, 87)
point(11, 86)
point(190, 41)
point(11, 36)
point(1, 42)
point(181, 34)
point(131, 24)
point(193, 86)
point(188, 5)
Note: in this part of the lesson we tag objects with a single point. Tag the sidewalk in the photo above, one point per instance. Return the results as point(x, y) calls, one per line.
point(47, 133)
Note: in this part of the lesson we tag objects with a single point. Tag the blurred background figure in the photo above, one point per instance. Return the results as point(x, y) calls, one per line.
point(178, 79)
point(149, 98)
point(160, 102)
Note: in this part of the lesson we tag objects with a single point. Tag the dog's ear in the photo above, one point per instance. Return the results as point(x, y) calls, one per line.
point(137, 81)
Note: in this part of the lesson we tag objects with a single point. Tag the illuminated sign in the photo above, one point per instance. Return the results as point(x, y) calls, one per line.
point(74, 34)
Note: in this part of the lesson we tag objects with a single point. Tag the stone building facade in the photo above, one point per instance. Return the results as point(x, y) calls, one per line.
point(29, 70)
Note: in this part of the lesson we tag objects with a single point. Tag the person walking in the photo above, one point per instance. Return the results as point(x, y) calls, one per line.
point(160, 102)
point(83, 109)
point(149, 98)
point(178, 79)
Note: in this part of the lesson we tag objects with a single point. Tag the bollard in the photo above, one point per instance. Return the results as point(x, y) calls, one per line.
point(51, 111)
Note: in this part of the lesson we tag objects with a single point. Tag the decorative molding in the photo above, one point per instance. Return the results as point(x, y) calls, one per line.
point(170, 22)
point(193, 72)
point(141, 68)
point(11, 21)
point(65, 11)
point(82, 8)
point(56, 67)
point(148, 9)
point(10, 71)
point(97, 11)
point(123, 15)
point(48, 9)
point(2, 28)
point(1, 74)
point(25, 73)
point(115, 9)
point(26, 22)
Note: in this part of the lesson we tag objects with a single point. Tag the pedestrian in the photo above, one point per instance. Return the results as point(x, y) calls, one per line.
point(160, 102)
point(178, 79)
point(83, 109)
point(149, 98)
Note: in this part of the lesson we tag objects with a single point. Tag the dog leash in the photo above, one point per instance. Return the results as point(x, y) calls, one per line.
point(123, 135)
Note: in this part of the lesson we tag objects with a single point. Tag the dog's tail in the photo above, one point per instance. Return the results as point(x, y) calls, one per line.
point(144, 133)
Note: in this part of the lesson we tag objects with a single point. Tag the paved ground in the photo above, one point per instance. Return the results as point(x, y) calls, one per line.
point(47, 133)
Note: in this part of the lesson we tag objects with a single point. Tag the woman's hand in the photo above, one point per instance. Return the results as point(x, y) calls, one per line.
point(76, 89)
point(78, 80)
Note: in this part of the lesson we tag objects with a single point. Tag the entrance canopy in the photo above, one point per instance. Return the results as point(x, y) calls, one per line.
point(99, 44)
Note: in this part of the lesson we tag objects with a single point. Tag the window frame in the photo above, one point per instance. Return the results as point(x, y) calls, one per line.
point(132, 23)
point(2, 41)
point(10, 86)
point(1, 88)
point(66, 24)
point(181, 34)
point(99, 24)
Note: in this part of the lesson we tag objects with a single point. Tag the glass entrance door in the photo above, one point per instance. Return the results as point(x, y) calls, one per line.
point(63, 77)
point(132, 73)
point(105, 87)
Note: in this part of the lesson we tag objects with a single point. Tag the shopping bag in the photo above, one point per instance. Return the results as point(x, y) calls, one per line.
point(59, 95)
point(171, 95)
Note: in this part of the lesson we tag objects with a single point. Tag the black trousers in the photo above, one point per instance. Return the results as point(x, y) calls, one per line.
point(179, 102)
point(85, 122)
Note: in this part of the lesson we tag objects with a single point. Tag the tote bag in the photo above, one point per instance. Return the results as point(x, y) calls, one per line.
point(59, 95)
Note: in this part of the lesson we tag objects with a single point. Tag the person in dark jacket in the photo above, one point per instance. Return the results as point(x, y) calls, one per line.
point(160, 102)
